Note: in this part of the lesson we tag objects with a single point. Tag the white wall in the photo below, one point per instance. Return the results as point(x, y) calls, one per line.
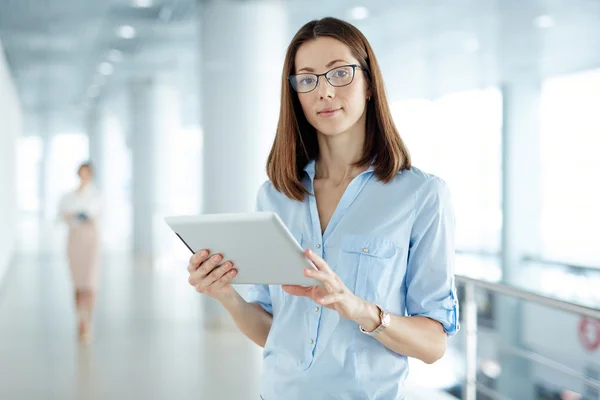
point(10, 128)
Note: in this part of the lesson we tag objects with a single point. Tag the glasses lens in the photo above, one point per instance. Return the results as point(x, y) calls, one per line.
point(304, 82)
point(341, 76)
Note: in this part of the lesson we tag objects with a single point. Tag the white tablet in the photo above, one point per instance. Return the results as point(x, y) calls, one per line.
point(260, 246)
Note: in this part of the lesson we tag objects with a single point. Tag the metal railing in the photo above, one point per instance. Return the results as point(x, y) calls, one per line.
point(470, 324)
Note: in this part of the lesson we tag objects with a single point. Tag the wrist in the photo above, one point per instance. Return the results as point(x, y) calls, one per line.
point(230, 300)
point(369, 316)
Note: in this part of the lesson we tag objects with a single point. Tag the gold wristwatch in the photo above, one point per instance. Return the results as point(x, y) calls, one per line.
point(385, 319)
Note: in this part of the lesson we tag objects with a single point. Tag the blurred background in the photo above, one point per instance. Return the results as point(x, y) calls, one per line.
point(176, 102)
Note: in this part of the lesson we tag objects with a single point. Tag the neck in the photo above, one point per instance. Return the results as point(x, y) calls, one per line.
point(338, 154)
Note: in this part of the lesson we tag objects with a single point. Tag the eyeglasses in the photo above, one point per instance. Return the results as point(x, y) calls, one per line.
point(339, 76)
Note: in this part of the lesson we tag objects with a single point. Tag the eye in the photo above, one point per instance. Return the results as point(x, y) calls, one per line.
point(340, 73)
point(309, 80)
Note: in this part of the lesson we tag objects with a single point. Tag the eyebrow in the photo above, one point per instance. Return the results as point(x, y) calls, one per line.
point(329, 64)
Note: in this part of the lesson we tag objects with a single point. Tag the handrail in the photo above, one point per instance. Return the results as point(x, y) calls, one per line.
point(531, 296)
point(470, 322)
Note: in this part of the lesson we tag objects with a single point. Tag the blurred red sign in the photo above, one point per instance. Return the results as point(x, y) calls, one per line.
point(589, 333)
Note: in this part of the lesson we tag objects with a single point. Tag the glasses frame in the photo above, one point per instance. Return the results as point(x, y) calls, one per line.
point(354, 67)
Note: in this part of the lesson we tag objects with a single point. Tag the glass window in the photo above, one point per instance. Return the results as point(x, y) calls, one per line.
point(570, 172)
point(458, 138)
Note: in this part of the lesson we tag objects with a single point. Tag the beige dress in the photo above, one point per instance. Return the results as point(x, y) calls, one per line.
point(83, 244)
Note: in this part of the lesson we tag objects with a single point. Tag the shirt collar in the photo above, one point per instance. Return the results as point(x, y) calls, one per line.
point(310, 169)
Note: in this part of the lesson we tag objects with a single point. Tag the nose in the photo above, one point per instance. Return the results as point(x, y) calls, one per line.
point(324, 89)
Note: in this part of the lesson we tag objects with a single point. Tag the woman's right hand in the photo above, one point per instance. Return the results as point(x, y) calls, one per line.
point(209, 276)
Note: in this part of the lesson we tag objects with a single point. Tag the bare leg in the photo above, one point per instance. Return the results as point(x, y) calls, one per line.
point(78, 309)
point(85, 305)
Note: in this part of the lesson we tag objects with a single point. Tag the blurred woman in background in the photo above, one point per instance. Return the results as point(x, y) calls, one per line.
point(80, 209)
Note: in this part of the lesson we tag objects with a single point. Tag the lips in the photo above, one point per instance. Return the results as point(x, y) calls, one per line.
point(328, 112)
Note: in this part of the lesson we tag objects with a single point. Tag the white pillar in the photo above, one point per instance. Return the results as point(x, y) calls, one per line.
point(521, 191)
point(96, 142)
point(521, 172)
point(45, 133)
point(154, 124)
point(143, 144)
point(242, 52)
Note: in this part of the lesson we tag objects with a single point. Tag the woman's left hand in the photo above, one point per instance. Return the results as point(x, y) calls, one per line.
point(333, 294)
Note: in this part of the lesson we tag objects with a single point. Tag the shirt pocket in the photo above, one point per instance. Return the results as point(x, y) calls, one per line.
point(371, 262)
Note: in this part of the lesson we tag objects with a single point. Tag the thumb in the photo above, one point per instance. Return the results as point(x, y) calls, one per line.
point(296, 290)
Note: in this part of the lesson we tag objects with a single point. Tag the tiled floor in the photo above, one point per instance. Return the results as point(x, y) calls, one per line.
point(149, 342)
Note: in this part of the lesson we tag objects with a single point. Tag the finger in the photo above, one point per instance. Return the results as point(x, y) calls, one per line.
point(197, 259)
point(199, 256)
point(207, 266)
point(331, 298)
point(317, 260)
point(321, 276)
point(296, 290)
point(225, 279)
point(215, 275)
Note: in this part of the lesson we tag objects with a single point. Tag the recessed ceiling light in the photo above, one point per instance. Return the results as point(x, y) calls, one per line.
point(143, 3)
point(544, 21)
point(359, 13)
point(106, 68)
point(126, 31)
point(115, 56)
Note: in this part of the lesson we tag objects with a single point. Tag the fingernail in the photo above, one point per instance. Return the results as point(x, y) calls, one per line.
point(203, 253)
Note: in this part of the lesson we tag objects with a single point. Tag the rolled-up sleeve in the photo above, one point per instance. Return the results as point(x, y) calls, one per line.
point(260, 293)
point(430, 287)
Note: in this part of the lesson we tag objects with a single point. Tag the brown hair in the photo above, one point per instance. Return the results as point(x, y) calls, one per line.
point(296, 140)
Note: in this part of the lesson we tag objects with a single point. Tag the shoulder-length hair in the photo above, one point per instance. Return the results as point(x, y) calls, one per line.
point(296, 142)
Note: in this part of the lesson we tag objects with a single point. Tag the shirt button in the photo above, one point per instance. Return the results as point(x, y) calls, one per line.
point(365, 250)
point(311, 341)
point(316, 309)
point(318, 245)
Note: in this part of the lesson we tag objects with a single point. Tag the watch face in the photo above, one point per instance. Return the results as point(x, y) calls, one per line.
point(386, 318)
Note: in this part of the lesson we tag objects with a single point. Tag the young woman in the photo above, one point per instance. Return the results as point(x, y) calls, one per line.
point(80, 209)
point(380, 232)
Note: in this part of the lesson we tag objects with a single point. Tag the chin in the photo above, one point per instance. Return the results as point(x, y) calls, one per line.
point(332, 129)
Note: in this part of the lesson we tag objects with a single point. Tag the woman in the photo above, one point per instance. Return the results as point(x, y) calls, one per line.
point(80, 209)
point(379, 231)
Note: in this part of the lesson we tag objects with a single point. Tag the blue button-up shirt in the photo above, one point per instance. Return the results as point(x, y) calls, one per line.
point(392, 244)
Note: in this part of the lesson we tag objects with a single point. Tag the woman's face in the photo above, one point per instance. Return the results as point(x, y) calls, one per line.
point(85, 174)
point(331, 110)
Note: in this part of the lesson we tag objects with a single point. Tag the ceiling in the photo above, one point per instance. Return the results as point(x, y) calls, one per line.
point(66, 54)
